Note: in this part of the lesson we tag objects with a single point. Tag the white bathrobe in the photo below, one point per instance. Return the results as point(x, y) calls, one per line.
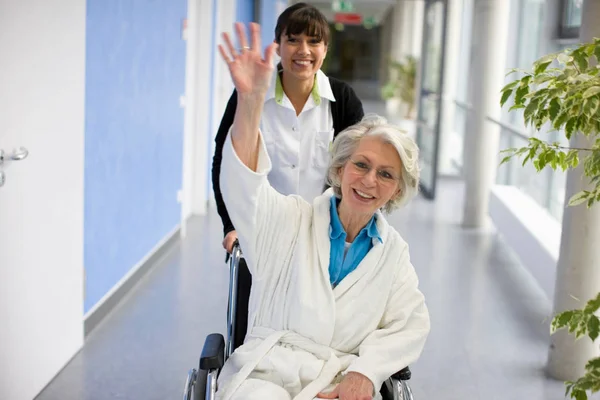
point(304, 335)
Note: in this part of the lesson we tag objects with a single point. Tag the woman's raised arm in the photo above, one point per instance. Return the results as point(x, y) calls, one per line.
point(264, 218)
point(251, 75)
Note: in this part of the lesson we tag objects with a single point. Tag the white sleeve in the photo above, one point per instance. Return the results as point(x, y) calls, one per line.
point(402, 332)
point(264, 219)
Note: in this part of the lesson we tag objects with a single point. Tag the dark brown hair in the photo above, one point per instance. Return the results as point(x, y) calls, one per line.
point(302, 18)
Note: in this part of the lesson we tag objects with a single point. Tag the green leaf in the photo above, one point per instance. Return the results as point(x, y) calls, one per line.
point(594, 103)
point(526, 80)
point(570, 127)
point(554, 161)
point(591, 106)
point(530, 110)
point(505, 160)
point(547, 58)
point(564, 58)
point(561, 161)
point(512, 71)
point(581, 60)
point(541, 119)
point(597, 52)
point(581, 123)
point(584, 77)
point(593, 327)
point(520, 94)
point(543, 78)
point(593, 305)
point(588, 49)
point(541, 67)
point(578, 198)
point(516, 107)
point(562, 320)
point(522, 150)
point(594, 90)
point(592, 364)
point(579, 395)
point(510, 85)
point(505, 96)
point(581, 327)
point(561, 119)
point(554, 109)
point(584, 384)
point(575, 162)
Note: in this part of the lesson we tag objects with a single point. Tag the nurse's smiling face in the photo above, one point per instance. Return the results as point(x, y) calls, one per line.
point(301, 55)
point(302, 35)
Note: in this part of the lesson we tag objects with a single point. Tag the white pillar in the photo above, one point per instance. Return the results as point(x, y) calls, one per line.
point(449, 91)
point(412, 25)
point(385, 48)
point(406, 34)
point(488, 60)
point(578, 271)
point(196, 128)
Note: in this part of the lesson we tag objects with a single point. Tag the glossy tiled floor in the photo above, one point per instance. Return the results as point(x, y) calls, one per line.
point(489, 319)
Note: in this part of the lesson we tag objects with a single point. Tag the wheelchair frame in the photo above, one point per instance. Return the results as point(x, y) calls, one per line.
point(203, 382)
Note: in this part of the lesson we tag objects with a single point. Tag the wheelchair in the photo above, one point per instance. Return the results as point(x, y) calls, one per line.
point(201, 384)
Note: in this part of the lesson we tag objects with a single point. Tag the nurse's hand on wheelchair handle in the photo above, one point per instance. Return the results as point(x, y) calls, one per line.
point(354, 386)
point(229, 252)
point(229, 241)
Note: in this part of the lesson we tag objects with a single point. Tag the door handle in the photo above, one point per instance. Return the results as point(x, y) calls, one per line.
point(16, 155)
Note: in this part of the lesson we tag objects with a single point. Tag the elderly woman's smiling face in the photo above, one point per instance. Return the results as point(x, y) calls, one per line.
point(371, 177)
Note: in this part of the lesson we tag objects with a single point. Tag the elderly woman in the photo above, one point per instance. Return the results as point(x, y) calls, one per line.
point(335, 307)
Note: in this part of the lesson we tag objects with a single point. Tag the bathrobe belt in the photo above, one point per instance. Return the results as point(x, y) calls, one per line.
point(270, 338)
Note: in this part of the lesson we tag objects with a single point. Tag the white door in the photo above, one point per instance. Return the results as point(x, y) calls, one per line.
point(42, 62)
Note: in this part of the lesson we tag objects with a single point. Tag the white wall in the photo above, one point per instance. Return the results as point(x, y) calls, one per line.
point(203, 111)
point(222, 85)
point(197, 105)
point(532, 233)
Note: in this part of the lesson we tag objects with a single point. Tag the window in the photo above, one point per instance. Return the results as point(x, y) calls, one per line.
point(570, 19)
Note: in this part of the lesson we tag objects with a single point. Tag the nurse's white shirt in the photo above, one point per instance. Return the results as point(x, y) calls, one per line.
point(298, 146)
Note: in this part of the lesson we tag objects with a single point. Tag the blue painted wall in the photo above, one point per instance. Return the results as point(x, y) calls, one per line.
point(268, 19)
point(135, 74)
point(245, 11)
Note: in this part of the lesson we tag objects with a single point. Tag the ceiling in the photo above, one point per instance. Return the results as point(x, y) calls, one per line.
point(376, 9)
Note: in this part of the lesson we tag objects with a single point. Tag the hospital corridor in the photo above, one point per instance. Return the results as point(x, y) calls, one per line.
point(132, 215)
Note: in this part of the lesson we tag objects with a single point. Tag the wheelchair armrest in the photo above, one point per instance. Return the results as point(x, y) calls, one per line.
point(213, 352)
point(402, 375)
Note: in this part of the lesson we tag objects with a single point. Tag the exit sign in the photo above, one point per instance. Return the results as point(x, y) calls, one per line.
point(342, 6)
point(348, 18)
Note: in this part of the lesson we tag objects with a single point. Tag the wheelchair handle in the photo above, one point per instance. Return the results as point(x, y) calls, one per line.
point(228, 255)
point(236, 255)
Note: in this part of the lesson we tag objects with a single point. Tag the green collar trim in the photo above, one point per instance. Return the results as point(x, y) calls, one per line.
point(279, 91)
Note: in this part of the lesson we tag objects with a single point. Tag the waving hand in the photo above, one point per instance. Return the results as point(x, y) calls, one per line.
point(250, 72)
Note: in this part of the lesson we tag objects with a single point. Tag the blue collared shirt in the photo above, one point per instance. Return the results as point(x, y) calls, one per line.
point(339, 265)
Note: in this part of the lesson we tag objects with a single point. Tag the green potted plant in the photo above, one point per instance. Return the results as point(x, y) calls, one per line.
point(399, 91)
point(563, 92)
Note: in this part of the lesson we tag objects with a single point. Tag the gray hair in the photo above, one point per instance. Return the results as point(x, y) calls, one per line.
point(346, 143)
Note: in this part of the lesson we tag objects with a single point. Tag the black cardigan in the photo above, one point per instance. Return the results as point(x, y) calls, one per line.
point(346, 110)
